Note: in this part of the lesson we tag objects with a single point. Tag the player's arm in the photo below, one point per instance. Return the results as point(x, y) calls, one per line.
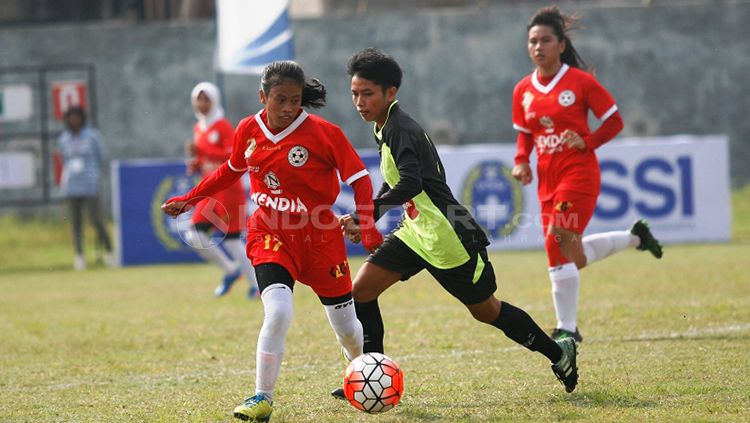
point(524, 141)
point(410, 178)
point(522, 170)
point(223, 177)
point(354, 173)
point(603, 105)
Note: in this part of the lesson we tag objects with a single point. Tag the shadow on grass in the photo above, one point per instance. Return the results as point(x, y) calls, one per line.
point(599, 398)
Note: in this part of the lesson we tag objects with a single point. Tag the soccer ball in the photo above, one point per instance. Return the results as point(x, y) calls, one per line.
point(373, 383)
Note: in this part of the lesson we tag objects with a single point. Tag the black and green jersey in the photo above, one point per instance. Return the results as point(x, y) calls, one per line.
point(434, 225)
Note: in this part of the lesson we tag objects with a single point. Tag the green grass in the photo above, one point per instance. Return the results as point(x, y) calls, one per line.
point(664, 341)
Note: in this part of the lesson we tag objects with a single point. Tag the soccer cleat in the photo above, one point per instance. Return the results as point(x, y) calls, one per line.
point(566, 369)
point(227, 283)
point(254, 409)
point(648, 242)
point(558, 334)
point(338, 393)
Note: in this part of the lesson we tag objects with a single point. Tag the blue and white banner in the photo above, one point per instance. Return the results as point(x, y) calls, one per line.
point(251, 34)
point(680, 184)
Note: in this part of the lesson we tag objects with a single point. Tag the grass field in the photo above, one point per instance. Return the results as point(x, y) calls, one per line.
point(664, 341)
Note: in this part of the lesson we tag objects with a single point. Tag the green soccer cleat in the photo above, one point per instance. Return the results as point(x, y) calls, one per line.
point(566, 369)
point(255, 409)
point(558, 334)
point(648, 242)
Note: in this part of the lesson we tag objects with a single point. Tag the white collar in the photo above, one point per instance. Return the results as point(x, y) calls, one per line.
point(545, 89)
point(288, 130)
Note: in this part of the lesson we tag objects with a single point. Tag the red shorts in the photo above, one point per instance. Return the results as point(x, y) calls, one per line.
point(568, 210)
point(311, 249)
point(224, 210)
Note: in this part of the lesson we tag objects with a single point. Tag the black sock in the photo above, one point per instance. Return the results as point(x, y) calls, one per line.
point(372, 325)
point(520, 327)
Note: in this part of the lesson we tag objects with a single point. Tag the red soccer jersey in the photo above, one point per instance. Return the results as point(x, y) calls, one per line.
point(546, 111)
point(295, 170)
point(213, 145)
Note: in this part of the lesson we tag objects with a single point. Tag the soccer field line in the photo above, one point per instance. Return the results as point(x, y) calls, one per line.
point(691, 333)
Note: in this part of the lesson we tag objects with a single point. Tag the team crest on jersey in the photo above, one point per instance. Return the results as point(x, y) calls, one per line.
point(298, 156)
point(273, 183)
point(495, 197)
point(250, 147)
point(527, 99)
point(213, 137)
point(548, 123)
point(566, 98)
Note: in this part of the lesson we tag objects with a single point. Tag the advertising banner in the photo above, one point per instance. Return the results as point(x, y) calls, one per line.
point(680, 184)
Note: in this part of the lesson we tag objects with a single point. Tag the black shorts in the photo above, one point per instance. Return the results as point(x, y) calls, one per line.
point(394, 255)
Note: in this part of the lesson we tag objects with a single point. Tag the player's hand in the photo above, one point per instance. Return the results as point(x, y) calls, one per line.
point(573, 140)
point(522, 173)
point(175, 208)
point(350, 229)
point(192, 166)
point(189, 148)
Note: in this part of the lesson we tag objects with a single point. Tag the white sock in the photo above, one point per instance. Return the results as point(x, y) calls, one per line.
point(236, 249)
point(566, 283)
point(602, 245)
point(277, 308)
point(348, 329)
point(201, 242)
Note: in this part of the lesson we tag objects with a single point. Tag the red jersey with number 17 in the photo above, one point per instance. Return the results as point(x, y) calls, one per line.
point(545, 111)
point(295, 170)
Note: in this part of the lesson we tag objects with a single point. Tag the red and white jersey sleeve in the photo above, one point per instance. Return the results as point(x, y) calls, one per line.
point(295, 170)
point(545, 111)
point(213, 145)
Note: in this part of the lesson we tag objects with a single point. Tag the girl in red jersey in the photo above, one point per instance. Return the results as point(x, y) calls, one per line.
point(213, 136)
point(294, 160)
point(550, 111)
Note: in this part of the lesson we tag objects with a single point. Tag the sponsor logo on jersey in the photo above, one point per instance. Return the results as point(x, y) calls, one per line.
point(250, 147)
point(494, 196)
point(548, 123)
point(566, 98)
point(298, 156)
point(213, 137)
point(283, 204)
point(273, 183)
point(527, 99)
point(548, 144)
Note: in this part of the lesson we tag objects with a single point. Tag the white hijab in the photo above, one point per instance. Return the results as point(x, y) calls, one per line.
point(216, 112)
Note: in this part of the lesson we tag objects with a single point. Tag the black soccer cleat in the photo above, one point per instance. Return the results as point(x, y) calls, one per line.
point(648, 242)
point(338, 393)
point(566, 369)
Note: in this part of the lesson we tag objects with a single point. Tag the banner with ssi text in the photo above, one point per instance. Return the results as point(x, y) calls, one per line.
point(680, 184)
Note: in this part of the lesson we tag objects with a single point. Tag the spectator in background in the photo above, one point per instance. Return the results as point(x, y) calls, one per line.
point(81, 152)
point(213, 136)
